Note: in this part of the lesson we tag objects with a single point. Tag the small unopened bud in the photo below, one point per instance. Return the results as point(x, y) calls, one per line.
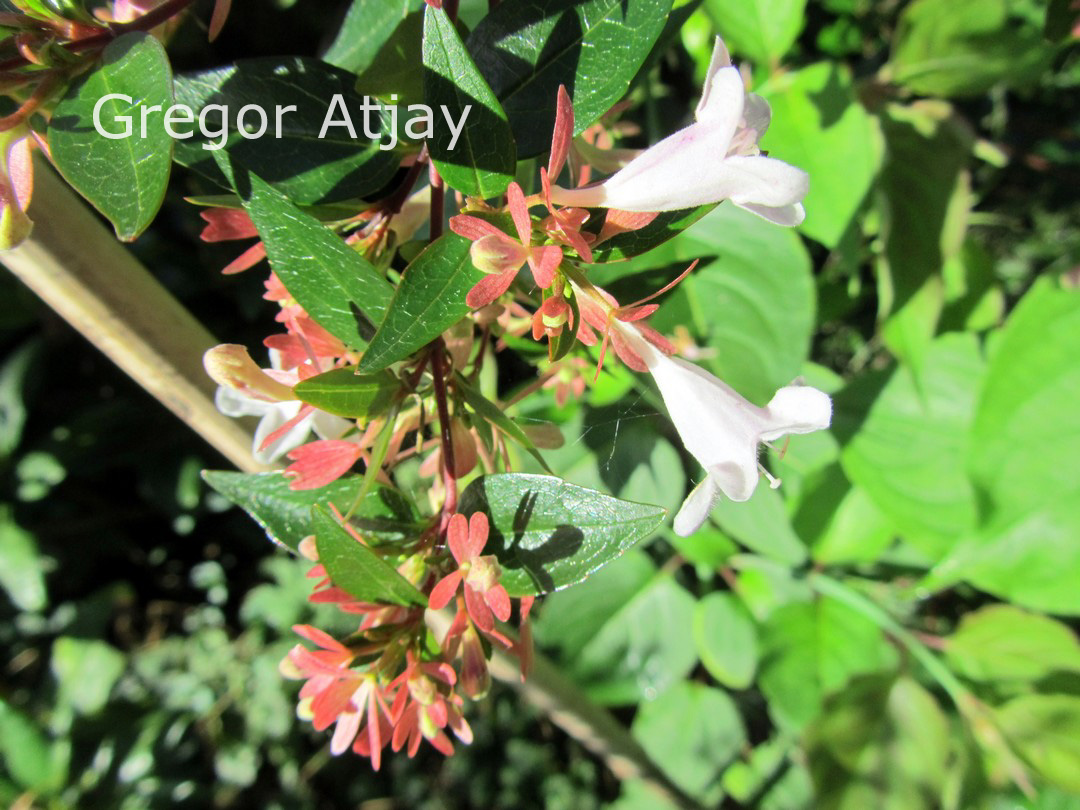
point(497, 254)
point(464, 448)
point(230, 365)
point(545, 435)
point(475, 678)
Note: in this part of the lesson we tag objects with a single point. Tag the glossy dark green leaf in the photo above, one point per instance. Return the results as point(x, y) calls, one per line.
point(397, 69)
point(346, 393)
point(549, 534)
point(123, 178)
point(594, 47)
point(306, 168)
point(285, 514)
point(480, 160)
point(429, 300)
point(337, 286)
point(357, 569)
point(368, 24)
point(667, 225)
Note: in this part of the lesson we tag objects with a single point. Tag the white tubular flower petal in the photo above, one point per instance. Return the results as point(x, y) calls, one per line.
point(721, 429)
point(714, 159)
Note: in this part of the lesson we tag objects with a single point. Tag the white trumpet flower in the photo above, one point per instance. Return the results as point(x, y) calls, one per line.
point(721, 429)
point(715, 158)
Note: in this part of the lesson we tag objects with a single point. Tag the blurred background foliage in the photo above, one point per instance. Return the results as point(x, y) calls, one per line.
point(893, 628)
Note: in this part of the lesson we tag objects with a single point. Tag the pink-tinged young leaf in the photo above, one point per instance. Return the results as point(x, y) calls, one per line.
point(321, 462)
point(472, 228)
point(563, 133)
point(217, 19)
point(489, 288)
point(515, 200)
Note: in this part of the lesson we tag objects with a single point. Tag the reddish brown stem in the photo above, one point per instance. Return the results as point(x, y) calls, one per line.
point(438, 372)
point(438, 199)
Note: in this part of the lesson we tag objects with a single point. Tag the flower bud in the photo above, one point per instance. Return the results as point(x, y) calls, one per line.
point(230, 365)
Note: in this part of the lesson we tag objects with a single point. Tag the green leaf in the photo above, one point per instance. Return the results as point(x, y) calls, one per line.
point(357, 569)
point(86, 671)
point(913, 441)
point(667, 225)
point(924, 213)
point(594, 47)
point(964, 47)
point(397, 69)
point(1022, 457)
point(880, 743)
point(819, 126)
point(809, 650)
point(727, 640)
point(26, 752)
point(1045, 729)
point(482, 159)
point(345, 393)
point(124, 178)
point(304, 167)
point(429, 300)
point(337, 286)
point(1005, 643)
point(753, 305)
point(760, 30)
point(21, 568)
point(612, 631)
point(368, 24)
point(692, 732)
point(549, 534)
point(285, 514)
point(762, 524)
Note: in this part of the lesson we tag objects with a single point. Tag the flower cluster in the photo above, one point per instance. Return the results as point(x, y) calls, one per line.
point(393, 681)
point(386, 685)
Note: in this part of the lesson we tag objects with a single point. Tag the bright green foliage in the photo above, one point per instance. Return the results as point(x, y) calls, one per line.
point(430, 299)
point(818, 125)
point(346, 393)
point(726, 639)
point(124, 178)
point(613, 631)
point(950, 48)
point(356, 569)
point(335, 284)
point(880, 743)
point(482, 161)
point(688, 719)
point(594, 47)
point(549, 534)
point(1005, 643)
point(759, 30)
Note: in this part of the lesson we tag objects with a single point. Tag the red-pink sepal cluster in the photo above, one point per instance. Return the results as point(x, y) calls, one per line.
point(550, 318)
point(563, 225)
point(322, 462)
point(485, 598)
point(594, 315)
point(425, 705)
point(500, 255)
